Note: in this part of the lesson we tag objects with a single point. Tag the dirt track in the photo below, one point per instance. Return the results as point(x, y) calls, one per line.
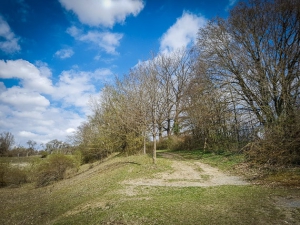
point(189, 174)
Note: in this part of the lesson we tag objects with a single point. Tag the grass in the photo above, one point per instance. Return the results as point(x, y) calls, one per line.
point(289, 177)
point(97, 196)
point(224, 161)
point(165, 205)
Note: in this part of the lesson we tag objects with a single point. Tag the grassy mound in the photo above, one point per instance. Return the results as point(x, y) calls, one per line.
point(98, 195)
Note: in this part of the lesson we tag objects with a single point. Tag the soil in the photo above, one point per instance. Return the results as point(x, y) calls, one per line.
point(188, 174)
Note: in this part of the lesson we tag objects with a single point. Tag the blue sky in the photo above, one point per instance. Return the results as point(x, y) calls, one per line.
point(55, 55)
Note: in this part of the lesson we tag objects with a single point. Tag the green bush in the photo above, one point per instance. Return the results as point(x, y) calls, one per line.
point(11, 176)
point(3, 171)
point(92, 154)
point(43, 154)
point(53, 168)
point(170, 143)
point(16, 176)
point(163, 144)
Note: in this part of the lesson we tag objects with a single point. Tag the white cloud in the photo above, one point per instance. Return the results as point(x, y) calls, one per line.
point(9, 43)
point(70, 130)
point(74, 31)
point(17, 69)
point(103, 74)
point(29, 114)
point(22, 99)
point(182, 33)
point(32, 78)
point(43, 69)
point(53, 123)
point(2, 87)
point(103, 12)
point(76, 87)
point(39, 109)
point(73, 86)
point(27, 134)
point(64, 53)
point(107, 41)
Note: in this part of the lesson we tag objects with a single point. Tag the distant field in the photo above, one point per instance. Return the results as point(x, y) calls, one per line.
point(116, 192)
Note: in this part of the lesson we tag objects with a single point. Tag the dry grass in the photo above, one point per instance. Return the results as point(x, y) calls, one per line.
point(97, 196)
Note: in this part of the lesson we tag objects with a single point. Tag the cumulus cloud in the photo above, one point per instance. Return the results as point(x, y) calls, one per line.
point(70, 130)
point(32, 78)
point(64, 53)
point(77, 87)
point(40, 126)
point(37, 108)
point(103, 74)
point(182, 33)
point(8, 40)
point(107, 41)
point(105, 12)
point(27, 134)
point(74, 88)
point(22, 99)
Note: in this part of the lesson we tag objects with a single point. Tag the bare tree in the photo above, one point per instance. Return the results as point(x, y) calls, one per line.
point(135, 87)
point(255, 54)
point(175, 71)
point(55, 146)
point(153, 100)
point(152, 97)
point(6, 142)
point(31, 147)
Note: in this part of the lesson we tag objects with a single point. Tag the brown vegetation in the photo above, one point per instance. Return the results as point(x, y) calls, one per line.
point(53, 169)
point(12, 176)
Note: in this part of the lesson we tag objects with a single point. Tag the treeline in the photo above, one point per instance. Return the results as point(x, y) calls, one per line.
point(236, 89)
point(8, 148)
point(55, 159)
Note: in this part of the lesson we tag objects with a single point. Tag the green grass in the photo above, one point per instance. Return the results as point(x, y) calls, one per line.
point(97, 196)
point(224, 161)
point(289, 177)
point(165, 205)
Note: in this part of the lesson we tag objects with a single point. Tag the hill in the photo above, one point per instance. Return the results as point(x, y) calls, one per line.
point(131, 190)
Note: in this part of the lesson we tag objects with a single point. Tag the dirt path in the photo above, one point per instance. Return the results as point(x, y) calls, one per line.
point(188, 174)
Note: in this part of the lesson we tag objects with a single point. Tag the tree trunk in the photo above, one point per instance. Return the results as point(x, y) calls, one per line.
point(154, 150)
point(144, 149)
